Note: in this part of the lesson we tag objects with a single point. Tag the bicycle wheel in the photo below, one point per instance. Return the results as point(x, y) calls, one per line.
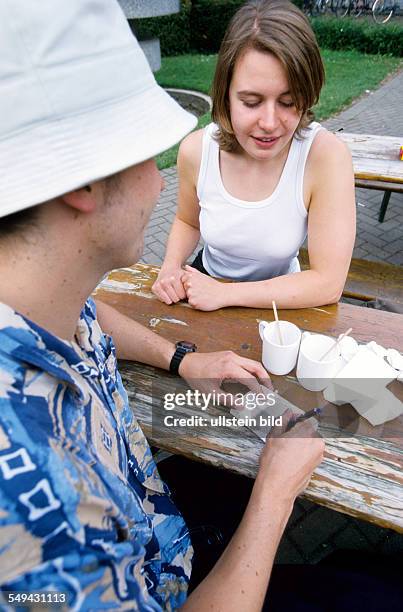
point(319, 7)
point(382, 11)
point(357, 7)
point(342, 8)
point(307, 7)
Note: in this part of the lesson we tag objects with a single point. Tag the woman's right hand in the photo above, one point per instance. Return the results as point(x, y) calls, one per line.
point(169, 287)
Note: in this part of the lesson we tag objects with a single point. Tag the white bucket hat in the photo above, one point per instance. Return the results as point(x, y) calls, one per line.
point(78, 101)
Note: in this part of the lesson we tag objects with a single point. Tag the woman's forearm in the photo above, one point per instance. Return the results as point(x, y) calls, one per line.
point(182, 241)
point(300, 290)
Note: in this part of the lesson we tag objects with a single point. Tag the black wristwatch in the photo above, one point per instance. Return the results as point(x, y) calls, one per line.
point(182, 348)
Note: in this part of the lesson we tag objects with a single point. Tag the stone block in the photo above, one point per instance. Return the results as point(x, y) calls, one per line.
point(138, 9)
point(152, 51)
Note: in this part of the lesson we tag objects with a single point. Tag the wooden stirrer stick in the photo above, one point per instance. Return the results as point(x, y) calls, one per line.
point(336, 343)
point(277, 321)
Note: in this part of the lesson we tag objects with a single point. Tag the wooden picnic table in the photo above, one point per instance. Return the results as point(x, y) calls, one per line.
point(376, 164)
point(361, 474)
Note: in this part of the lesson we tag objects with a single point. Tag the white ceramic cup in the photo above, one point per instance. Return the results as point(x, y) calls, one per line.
point(314, 373)
point(279, 358)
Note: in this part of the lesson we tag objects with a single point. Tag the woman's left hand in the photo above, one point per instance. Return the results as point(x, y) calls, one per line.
point(203, 292)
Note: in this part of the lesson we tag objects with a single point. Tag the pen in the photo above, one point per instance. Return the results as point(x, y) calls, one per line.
point(293, 421)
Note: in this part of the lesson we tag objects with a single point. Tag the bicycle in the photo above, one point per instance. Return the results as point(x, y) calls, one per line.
point(383, 10)
point(343, 8)
point(358, 7)
point(314, 8)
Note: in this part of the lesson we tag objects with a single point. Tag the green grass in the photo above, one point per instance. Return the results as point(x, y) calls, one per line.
point(348, 75)
point(186, 72)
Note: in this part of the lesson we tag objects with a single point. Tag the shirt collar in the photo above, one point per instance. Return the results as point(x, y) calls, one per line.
point(27, 342)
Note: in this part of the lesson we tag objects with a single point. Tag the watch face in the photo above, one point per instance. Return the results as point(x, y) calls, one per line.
point(189, 346)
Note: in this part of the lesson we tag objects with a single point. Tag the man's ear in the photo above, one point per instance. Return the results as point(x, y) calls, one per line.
point(83, 199)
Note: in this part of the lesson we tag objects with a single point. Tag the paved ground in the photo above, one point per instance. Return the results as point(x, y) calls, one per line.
point(314, 531)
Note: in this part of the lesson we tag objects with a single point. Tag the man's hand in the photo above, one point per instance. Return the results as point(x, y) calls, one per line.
point(169, 287)
point(288, 459)
point(239, 579)
point(203, 292)
point(206, 371)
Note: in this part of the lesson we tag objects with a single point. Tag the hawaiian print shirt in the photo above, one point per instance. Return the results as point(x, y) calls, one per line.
point(83, 510)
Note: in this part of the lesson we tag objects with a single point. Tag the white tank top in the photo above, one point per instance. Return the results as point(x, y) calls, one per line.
point(253, 240)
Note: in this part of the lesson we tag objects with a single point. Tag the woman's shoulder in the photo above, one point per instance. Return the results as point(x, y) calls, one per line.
point(189, 155)
point(194, 140)
point(191, 148)
point(327, 147)
point(191, 143)
point(329, 159)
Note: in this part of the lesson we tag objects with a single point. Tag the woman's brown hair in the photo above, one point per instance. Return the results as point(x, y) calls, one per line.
point(270, 26)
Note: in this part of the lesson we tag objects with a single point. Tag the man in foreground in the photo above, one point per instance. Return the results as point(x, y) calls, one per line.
point(83, 509)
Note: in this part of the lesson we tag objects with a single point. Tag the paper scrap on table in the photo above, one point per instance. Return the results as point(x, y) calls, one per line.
point(395, 359)
point(348, 347)
point(386, 408)
point(362, 383)
point(392, 356)
point(257, 409)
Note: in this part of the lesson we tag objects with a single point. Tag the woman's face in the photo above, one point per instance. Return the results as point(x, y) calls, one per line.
point(263, 115)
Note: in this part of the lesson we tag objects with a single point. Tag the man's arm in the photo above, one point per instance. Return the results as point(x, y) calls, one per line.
point(132, 340)
point(137, 343)
point(239, 580)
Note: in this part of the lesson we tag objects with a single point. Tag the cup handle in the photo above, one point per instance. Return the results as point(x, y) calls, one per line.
point(262, 327)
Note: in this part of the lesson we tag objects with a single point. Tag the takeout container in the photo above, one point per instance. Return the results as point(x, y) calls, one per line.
point(362, 383)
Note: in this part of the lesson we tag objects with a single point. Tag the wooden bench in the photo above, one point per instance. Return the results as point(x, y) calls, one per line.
point(369, 280)
point(376, 164)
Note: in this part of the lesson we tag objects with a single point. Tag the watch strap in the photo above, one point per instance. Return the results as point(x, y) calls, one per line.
point(180, 351)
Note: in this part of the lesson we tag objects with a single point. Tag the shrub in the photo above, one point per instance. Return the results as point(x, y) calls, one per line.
point(201, 24)
point(208, 22)
point(363, 36)
point(172, 30)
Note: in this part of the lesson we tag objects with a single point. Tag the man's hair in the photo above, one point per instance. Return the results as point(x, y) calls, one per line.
point(281, 29)
point(17, 224)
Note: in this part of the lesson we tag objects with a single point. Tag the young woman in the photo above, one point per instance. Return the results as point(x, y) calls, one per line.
point(262, 177)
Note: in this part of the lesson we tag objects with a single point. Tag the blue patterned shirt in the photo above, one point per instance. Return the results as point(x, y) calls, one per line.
point(83, 510)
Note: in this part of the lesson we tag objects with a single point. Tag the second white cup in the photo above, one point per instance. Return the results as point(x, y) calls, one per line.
point(279, 358)
point(313, 372)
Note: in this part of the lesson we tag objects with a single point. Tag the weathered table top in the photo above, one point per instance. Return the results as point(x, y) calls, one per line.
point(375, 158)
point(361, 474)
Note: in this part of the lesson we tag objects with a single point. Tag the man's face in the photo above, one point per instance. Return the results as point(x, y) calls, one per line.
point(129, 199)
